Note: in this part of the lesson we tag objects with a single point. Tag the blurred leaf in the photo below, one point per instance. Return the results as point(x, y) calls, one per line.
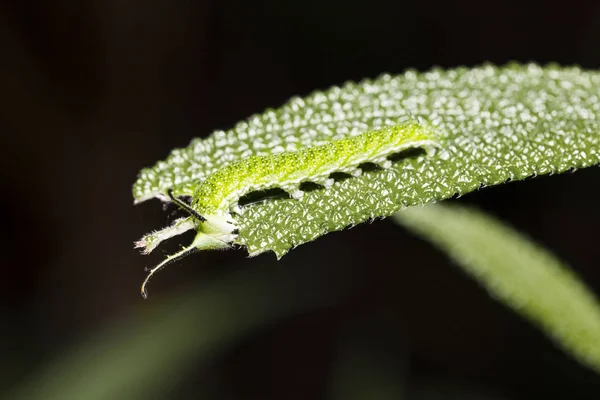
point(145, 358)
point(495, 124)
point(520, 273)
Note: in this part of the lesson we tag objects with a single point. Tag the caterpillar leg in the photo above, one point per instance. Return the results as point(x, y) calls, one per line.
point(328, 182)
point(430, 146)
point(356, 172)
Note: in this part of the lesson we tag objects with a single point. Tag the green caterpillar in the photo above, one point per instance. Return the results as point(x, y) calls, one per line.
point(217, 197)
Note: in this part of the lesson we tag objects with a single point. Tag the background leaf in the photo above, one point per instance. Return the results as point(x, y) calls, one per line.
point(516, 271)
point(496, 124)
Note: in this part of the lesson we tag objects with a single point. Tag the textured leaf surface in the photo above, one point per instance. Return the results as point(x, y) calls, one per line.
point(494, 125)
point(517, 271)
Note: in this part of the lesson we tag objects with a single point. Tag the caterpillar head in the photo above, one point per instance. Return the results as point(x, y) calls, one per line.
point(220, 227)
point(212, 232)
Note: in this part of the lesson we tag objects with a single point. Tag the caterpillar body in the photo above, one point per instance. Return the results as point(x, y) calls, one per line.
point(215, 201)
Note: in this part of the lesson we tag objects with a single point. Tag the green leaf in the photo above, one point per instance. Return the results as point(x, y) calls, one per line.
point(522, 274)
point(495, 124)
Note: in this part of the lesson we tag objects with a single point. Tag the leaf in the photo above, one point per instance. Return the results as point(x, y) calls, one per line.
point(495, 125)
point(520, 273)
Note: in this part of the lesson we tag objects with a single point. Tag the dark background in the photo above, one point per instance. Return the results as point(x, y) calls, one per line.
point(92, 91)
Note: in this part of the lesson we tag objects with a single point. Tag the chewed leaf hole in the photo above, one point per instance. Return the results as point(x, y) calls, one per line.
point(408, 153)
point(310, 186)
point(340, 176)
point(369, 167)
point(262, 195)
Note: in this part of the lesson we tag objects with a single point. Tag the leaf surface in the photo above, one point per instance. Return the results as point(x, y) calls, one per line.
point(495, 124)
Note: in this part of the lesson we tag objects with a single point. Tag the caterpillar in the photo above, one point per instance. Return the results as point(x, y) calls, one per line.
point(215, 201)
